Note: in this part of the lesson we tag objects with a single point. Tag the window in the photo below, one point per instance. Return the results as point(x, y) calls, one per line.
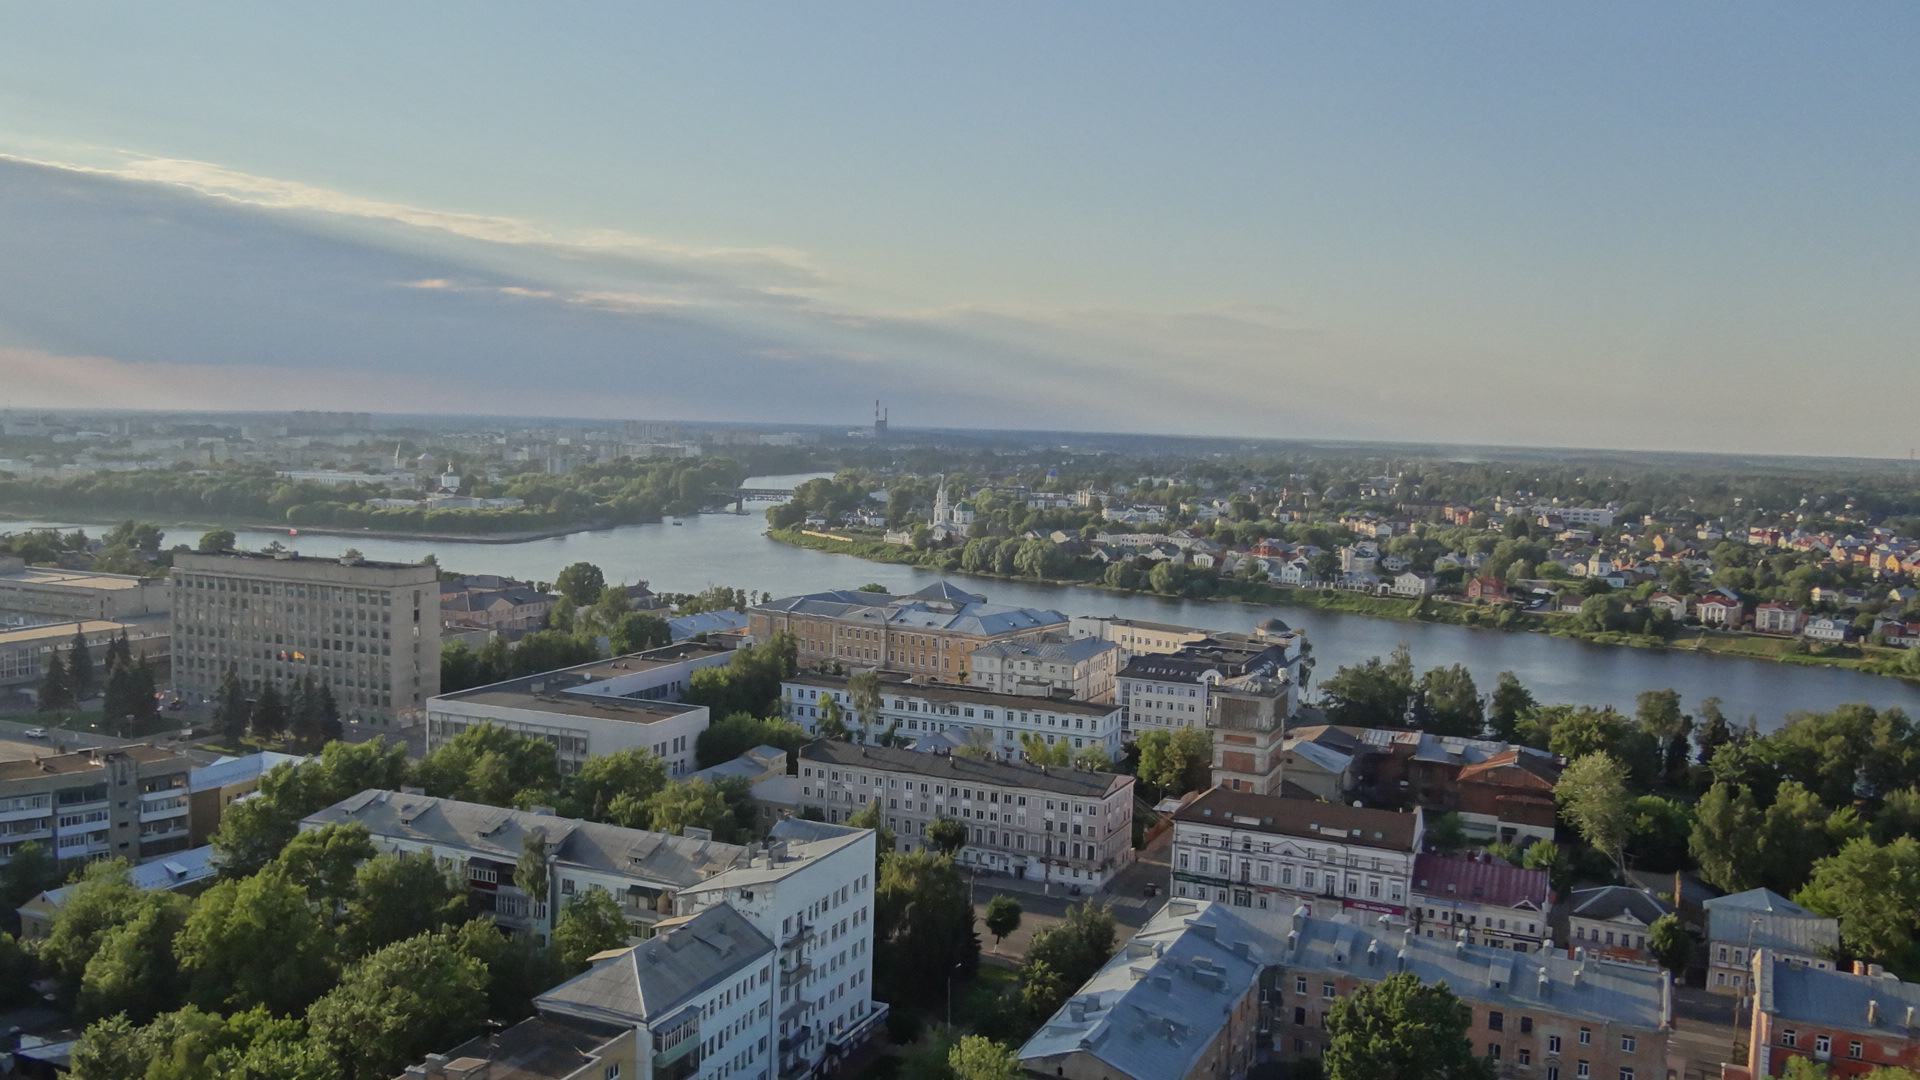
point(1526, 1025)
point(1493, 1051)
point(613, 1071)
point(1823, 1044)
point(1626, 1072)
point(1496, 1021)
point(1553, 1044)
point(1553, 1072)
point(1586, 1037)
point(1582, 1070)
point(1326, 990)
point(1524, 1056)
point(1788, 1038)
point(1299, 986)
point(1854, 1049)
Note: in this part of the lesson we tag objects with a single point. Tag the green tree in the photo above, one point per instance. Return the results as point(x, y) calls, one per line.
point(488, 764)
point(1875, 893)
point(976, 1057)
point(55, 692)
point(1449, 703)
point(590, 923)
point(81, 680)
point(215, 541)
point(1176, 761)
point(750, 682)
point(693, 803)
point(581, 583)
point(32, 871)
point(832, 723)
point(923, 928)
point(863, 694)
point(399, 896)
point(1078, 944)
point(530, 873)
point(231, 709)
point(636, 774)
point(1594, 799)
point(1448, 833)
point(1398, 1029)
point(101, 899)
point(133, 971)
point(391, 1009)
point(1713, 731)
point(1670, 944)
point(1377, 693)
point(1042, 991)
point(1725, 842)
point(727, 739)
point(269, 715)
point(1003, 917)
point(255, 941)
point(325, 861)
point(948, 835)
point(638, 631)
point(1661, 718)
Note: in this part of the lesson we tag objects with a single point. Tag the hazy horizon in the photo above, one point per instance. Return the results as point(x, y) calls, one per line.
point(1636, 228)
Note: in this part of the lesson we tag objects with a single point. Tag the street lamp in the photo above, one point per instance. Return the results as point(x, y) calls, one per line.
point(950, 972)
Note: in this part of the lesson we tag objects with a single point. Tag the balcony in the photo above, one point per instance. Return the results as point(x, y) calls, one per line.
point(798, 938)
point(800, 1007)
point(42, 810)
point(793, 974)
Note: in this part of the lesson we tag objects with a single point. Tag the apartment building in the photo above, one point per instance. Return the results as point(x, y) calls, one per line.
point(1248, 717)
point(127, 802)
point(24, 652)
point(370, 631)
point(77, 595)
point(942, 716)
point(1180, 1000)
point(1164, 691)
point(1031, 821)
point(1539, 1014)
point(1613, 921)
point(1267, 852)
point(765, 974)
point(1739, 924)
point(1137, 636)
point(933, 632)
point(1482, 900)
point(1501, 791)
point(1850, 1022)
point(213, 788)
point(1082, 668)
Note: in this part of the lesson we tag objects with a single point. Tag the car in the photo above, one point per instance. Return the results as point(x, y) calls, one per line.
point(1152, 889)
point(35, 733)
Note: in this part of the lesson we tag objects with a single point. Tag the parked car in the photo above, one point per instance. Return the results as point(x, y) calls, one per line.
point(35, 733)
point(1152, 889)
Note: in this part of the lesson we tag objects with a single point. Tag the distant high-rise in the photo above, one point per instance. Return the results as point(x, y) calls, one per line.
point(879, 421)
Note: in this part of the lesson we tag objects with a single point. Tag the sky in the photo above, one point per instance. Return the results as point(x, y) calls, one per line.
point(1633, 225)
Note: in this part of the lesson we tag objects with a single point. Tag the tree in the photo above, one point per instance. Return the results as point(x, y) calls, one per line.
point(976, 1057)
point(398, 896)
point(693, 803)
point(215, 540)
point(303, 711)
point(727, 739)
point(1448, 833)
point(1042, 991)
point(1875, 893)
point(1398, 1029)
point(1594, 799)
point(581, 583)
point(750, 682)
point(947, 834)
point(324, 861)
point(80, 675)
point(1670, 943)
point(328, 711)
point(133, 971)
point(1003, 917)
point(923, 928)
point(1546, 856)
point(1377, 693)
point(391, 1009)
point(1078, 944)
point(863, 694)
point(1449, 703)
point(590, 923)
point(269, 715)
point(1660, 717)
point(1713, 731)
point(638, 631)
point(55, 691)
point(1176, 761)
point(488, 764)
point(230, 710)
point(635, 774)
point(530, 873)
point(32, 871)
point(100, 900)
point(832, 723)
point(255, 941)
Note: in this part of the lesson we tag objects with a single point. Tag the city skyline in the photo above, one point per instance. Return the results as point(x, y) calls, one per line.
point(1638, 228)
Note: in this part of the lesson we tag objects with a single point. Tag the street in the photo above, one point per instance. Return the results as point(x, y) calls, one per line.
point(1125, 894)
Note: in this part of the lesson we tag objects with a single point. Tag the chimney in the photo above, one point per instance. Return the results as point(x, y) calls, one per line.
point(1873, 1013)
point(1859, 967)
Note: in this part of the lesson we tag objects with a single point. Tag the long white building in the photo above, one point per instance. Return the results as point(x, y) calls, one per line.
point(928, 713)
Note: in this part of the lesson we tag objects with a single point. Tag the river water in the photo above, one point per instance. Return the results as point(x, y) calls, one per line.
point(725, 549)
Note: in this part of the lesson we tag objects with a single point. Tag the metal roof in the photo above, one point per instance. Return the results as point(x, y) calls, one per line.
point(1770, 921)
point(1857, 1003)
point(1080, 783)
point(665, 973)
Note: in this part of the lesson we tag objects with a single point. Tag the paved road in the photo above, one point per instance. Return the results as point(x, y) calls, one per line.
point(1125, 894)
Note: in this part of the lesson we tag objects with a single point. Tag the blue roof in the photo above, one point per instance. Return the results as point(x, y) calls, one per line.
point(167, 872)
point(238, 770)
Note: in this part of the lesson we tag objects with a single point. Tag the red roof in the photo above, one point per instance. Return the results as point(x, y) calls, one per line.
point(1481, 880)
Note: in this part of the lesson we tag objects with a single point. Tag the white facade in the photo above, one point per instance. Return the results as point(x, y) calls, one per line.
point(966, 715)
point(1082, 667)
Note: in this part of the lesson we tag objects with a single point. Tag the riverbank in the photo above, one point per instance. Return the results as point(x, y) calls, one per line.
point(1865, 659)
point(87, 521)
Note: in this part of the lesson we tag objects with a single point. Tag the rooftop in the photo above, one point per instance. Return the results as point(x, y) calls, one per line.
point(253, 561)
point(170, 872)
point(1611, 902)
point(1770, 921)
point(939, 606)
point(81, 761)
point(521, 695)
point(1332, 822)
point(29, 635)
point(537, 1048)
point(1838, 999)
point(1066, 650)
point(238, 770)
point(1484, 881)
point(1079, 783)
point(71, 579)
point(1153, 1009)
point(496, 834)
point(651, 980)
point(904, 686)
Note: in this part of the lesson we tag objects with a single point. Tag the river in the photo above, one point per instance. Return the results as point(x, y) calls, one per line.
point(725, 549)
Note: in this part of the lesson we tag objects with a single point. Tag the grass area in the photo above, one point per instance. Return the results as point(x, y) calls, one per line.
point(978, 996)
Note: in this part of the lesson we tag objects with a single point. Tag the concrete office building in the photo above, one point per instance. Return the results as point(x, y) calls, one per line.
point(592, 709)
point(76, 595)
point(128, 803)
point(1045, 824)
point(369, 630)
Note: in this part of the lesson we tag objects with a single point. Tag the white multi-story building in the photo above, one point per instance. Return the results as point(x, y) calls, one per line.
point(1137, 636)
point(1273, 853)
point(1047, 824)
point(1167, 691)
point(1082, 667)
point(592, 709)
point(941, 715)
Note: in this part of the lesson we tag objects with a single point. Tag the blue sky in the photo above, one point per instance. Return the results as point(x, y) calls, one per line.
point(1627, 225)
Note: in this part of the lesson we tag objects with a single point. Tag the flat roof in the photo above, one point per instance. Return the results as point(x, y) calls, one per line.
point(61, 631)
point(76, 579)
point(80, 761)
point(627, 710)
point(1082, 783)
point(897, 683)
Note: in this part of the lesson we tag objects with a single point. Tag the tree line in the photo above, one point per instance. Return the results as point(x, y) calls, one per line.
point(129, 698)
